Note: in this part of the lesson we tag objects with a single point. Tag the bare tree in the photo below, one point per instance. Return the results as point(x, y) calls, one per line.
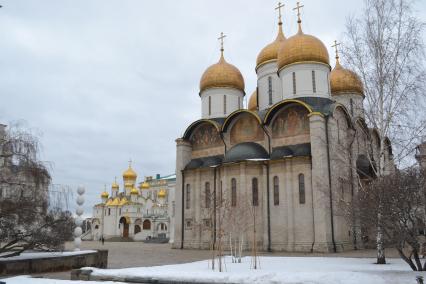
point(402, 198)
point(26, 220)
point(384, 46)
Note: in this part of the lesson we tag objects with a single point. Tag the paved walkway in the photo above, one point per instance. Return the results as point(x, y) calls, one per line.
point(134, 254)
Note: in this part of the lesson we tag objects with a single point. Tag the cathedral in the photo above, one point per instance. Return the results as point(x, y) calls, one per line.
point(282, 165)
point(140, 213)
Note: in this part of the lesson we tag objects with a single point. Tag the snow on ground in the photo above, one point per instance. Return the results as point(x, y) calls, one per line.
point(313, 270)
point(29, 280)
point(33, 255)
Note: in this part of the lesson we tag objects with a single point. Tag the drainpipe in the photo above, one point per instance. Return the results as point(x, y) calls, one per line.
point(329, 184)
point(183, 209)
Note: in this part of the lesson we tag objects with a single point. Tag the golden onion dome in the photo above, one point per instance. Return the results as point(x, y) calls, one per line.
point(222, 75)
point(252, 104)
point(344, 80)
point(162, 193)
point(144, 185)
point(115, 185)
point(130, 173)
point(104, 194)
point(270, 52)
point(134, 191)
point(302, 48)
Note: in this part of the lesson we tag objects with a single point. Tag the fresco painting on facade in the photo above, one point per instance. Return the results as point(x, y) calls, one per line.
point(291, 122)
point(291, 149)
point(206, 136)
point(246, 128)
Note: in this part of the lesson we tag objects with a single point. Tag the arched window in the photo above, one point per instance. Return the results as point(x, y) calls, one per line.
point(137, 229)
point(276, 191)
point(224, 104)
point(314, 84)
point(255, 192)
point(207, 193)
point(301, 189)
point(233, 192)
point(294, 83)
point(270, 89)
point(188, 196)
point(146, 225)
point(210, 105)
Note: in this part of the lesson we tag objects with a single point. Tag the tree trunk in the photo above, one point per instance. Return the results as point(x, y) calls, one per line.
point(406, 259)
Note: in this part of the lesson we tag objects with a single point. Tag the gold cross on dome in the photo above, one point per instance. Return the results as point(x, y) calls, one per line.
point(130, 163)
point(280, 5)
point(335, 45)
point(222, 36)
point(298, 6)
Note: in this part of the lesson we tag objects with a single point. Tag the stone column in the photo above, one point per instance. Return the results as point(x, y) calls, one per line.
point(183, 156)
point(320, 184)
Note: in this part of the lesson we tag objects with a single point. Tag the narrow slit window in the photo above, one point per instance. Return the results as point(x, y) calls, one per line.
point(255, 192)
point(314, 85)
point(351, 106)
point(188, 196)
point(276, 191)
point(270, 90)
point(302, 189)
point(207, 193)
point(224, 104)
point(233, 192)
point(210, 105)
point(294, 83)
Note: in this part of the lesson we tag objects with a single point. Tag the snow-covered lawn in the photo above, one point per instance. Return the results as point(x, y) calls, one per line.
point(312, 270)
point(327, 270)
point(33, 255)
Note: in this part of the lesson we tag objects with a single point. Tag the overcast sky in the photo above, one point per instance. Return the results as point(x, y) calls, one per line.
point(106, 81)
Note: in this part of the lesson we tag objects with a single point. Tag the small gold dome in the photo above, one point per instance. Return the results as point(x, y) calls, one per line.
point(130, 174)
point(134, 191)
point(252, 104)
point(144, 185)
point(344, 80)
point(104, 194)
point(302, 48)
point(270, 52)
point(222, 75)
point(162, 193)
point(115, 186)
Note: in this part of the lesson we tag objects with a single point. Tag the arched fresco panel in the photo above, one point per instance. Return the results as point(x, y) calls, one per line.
point(246, 129)
point(291, 126)
point(205, 136)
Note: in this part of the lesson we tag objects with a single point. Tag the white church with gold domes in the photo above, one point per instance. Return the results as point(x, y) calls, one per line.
point(138, 213)
point(284, 164)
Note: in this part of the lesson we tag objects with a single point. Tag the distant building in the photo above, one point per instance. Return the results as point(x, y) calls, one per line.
point(138, 213)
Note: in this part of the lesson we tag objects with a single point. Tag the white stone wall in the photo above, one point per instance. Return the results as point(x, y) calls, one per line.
point(357, 108)
point(263, 73)
point(304, 85)
point(233, 97)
